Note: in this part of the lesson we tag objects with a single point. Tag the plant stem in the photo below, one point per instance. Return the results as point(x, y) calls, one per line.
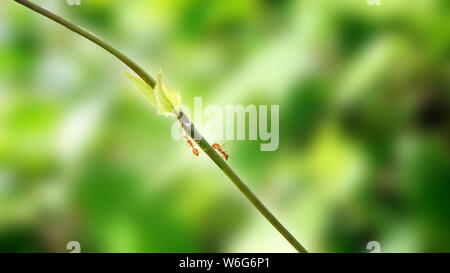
point(92, 37)
point(206, 147)
point(183, 119)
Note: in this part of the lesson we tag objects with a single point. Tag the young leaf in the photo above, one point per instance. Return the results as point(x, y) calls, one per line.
point(168, 100)
point(143, 88)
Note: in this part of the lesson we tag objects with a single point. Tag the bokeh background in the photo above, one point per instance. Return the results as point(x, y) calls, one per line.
point(364, 126)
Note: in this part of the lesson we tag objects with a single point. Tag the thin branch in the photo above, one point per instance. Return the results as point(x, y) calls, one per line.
point(92, 37)
point(183, 119)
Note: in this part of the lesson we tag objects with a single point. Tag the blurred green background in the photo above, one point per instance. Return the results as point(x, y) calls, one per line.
point(364, 126)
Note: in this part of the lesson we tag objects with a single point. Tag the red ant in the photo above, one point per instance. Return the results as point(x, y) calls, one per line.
point(220, 149)
point(190, 144)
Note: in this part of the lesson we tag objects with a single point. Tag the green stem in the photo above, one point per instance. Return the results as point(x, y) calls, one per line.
point(184, 120)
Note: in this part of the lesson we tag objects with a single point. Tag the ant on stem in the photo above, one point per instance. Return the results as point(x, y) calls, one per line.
point(190, 144)
point(221, 150)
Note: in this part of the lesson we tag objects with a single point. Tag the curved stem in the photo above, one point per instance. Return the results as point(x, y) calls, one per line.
point(92, 37)
point(183, 119)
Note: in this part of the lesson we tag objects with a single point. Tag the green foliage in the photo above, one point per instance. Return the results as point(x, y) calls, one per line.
point(359, 159)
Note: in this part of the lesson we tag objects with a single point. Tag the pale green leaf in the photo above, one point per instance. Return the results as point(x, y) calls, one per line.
point(143, 88)
point(168, 101)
